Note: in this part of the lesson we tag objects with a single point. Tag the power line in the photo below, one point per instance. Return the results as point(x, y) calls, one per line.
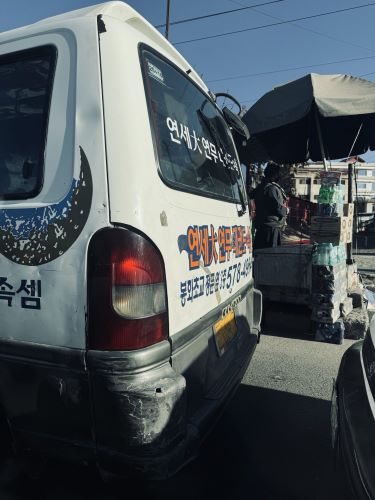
point(282, 70)
point(198, 18)
point(305, 29)
point(275, 24)
point(325, 35)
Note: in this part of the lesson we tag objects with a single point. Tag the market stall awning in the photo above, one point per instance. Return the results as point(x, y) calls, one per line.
point(286, 122)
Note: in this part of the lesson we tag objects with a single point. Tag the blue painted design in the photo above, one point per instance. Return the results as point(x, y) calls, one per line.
point(34, 236)
point(21, 221)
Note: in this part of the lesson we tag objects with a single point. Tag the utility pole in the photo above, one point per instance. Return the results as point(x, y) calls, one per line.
point(349, 246)
point(167, 19)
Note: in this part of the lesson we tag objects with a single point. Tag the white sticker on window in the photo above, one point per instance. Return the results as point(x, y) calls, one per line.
point(180, 133)
point(155, 72)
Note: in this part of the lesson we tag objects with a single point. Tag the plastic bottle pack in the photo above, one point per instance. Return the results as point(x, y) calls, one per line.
point(331, 201)
point(326, 254)
point(332, 333)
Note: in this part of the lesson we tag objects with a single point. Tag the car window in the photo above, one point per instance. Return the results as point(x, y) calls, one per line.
point(25, 94)
point(194, 146)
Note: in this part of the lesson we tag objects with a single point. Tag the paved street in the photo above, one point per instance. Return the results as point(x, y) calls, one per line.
point(273, 441)
point(365, 260)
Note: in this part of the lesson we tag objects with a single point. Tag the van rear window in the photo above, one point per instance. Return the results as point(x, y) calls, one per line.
point(194, 146)
point(25, 94)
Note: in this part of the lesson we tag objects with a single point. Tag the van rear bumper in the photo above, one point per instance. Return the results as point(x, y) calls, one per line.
point(139, 411)
point(126, 412)
point(142, 424)
point(45, 398)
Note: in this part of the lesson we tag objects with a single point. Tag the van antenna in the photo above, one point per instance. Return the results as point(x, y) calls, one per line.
point(167, 19)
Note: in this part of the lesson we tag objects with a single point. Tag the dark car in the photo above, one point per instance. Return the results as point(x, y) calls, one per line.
point(353, 416)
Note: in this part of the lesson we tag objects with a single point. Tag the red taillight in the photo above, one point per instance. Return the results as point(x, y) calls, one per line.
point(126, 292)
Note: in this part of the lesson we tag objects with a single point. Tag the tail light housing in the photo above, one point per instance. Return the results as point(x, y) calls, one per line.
point(127, 304)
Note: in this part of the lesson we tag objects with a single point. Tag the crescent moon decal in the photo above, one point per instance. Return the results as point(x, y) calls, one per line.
point(34, 236)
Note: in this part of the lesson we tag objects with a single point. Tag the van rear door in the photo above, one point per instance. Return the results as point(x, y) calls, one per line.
point(53, 192)
point(209, 257)
point(174, 177)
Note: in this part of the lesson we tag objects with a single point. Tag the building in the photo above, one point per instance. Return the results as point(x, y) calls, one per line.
point(307, 183)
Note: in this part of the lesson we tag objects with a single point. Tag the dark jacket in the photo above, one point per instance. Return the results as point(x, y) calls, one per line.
point(269, 204)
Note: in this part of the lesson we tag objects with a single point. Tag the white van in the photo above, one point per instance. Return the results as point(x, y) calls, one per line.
point(128, 311)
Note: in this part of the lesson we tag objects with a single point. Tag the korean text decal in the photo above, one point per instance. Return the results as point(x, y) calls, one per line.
point(209, 246)
point(207, 284)
point(29, 291)
point(212, 246)
point(180, 133)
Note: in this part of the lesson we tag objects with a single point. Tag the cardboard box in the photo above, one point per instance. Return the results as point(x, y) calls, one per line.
point(349, 209)
point(326, 229)
point(343, 237)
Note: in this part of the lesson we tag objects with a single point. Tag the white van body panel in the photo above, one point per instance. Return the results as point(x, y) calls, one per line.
point(134, 178)
point(140, 408)
point(75, 122)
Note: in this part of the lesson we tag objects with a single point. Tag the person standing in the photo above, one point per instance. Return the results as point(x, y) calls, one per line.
point(270, 209)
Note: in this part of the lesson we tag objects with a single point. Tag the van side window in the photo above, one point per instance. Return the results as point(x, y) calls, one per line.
point(194, 146)
point(25, 94)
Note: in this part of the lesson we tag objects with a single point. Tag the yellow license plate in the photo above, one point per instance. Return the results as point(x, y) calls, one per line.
point(224, 330)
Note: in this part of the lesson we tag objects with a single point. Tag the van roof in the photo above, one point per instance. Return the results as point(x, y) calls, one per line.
point(118, 10)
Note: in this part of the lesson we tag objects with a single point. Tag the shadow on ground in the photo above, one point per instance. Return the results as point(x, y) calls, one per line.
point(287, 320)
point(268, 445)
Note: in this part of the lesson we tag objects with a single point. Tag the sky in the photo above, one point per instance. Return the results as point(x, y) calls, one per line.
point(250, 63)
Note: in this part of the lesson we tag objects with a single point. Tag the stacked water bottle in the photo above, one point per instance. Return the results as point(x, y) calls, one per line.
point(329, 288)
point(328, 254)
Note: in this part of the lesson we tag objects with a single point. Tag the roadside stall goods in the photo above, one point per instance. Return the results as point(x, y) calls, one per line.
point(331, 230)
point(315, 275)
point(301, 121)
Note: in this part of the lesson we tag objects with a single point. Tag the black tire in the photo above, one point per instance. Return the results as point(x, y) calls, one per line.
point(344, 486)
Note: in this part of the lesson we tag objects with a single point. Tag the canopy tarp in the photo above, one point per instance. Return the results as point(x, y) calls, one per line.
point(285, 123)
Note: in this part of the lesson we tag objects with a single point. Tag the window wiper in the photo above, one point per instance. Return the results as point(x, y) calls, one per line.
point(243, 202)
point(234, 179)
